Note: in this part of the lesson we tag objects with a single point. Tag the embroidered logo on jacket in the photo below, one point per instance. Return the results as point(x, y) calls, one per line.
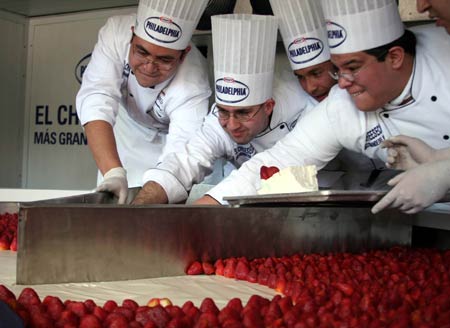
point(81, 67)
point(243, 153)
point(374, 137)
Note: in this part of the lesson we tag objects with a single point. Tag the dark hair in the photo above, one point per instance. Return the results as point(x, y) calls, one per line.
point(407, 41)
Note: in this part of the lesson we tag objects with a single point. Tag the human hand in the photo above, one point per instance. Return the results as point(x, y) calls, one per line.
point(417, 188)
point(151, 193)
point(115, 181)
point(406, 152)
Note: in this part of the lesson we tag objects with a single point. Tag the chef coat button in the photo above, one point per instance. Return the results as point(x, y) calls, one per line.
point(446, 137)
point(131, 95)
point(433, 98)
point(282, 126)
point(386, 115)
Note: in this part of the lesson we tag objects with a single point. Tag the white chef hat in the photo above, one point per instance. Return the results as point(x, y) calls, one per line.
point(168, 23)
point(244, 58)
point(302, 27)
point(358, 25)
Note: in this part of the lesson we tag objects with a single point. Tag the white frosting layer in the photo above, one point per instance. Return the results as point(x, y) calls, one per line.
point(291, 180)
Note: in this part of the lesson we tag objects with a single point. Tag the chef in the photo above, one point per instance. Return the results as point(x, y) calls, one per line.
point(144, 92)
point(304, 34)
point(387, 85)
point(427, 178)
point(249, 114)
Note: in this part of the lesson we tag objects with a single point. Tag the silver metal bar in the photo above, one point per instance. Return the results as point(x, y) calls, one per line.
point(102, 242)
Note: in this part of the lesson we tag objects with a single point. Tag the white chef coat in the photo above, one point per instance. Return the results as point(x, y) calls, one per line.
point(179, 171)
point(148, 122)
point(337, 123)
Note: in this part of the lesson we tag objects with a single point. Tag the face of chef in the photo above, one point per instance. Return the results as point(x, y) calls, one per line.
point(243, 124)
point(152, 64)
point(438, 10)
point(371, 82)
point(315, 79)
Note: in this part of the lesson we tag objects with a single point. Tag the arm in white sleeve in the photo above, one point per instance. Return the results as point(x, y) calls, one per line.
point(178, 171)
point(312, 141)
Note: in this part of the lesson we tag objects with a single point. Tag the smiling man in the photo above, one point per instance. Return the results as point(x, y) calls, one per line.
point(251, 113)
point(387, 85)
point(144, 92)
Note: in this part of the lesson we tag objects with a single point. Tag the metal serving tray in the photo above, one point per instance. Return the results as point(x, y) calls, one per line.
point(316, 198)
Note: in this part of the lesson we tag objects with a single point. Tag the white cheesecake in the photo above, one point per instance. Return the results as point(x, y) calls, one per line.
point(291, 180)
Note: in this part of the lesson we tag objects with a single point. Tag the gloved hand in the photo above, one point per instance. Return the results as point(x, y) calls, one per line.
point(417, 188)
point(115, 181)
point(406, 152)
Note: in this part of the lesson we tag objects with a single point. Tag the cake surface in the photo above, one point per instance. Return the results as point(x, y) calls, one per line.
point(291, 180)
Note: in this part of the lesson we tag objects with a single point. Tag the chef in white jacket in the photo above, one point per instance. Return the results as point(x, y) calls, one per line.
point(387, 85)
point(252, 110)
point(427, 176)
point(304, 33)
point(144, 92)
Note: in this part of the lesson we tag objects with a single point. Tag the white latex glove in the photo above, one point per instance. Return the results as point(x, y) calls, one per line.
point(406, 152)
point(417, 188)
point(115, 181)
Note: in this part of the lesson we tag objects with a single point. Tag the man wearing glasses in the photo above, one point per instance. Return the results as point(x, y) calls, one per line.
point(145, 91)
point(249, 114)
point(387, 85)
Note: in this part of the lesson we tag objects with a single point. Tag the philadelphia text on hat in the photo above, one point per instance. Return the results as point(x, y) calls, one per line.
point(336, 34)
point(303, 50)
point(162, 29)
point(231, 91)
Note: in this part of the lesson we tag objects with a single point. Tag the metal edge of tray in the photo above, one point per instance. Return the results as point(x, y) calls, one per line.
point(322, 197)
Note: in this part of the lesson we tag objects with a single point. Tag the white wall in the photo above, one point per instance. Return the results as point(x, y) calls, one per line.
point(56, 155)
point(12, 59)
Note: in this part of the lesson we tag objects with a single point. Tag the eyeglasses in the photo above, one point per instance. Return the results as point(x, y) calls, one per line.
point(240, 115)
point(352, 76)
point(143, 57)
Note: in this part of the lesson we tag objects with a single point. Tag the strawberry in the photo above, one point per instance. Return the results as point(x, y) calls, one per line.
point(242, 270)
point(78, 308)
point(208, 306)
point(109, 306)
point(267, 171)
point(219, 266)
point(235, 304)
point(208, 268)
point(90, 305)
point(6, 294)
point(195, 268)
point(159, 316)
point(90, 321)
point(127, 313)
point(13, 245)
point(100, 313)
point(206, 320)
point(230, 268)
point(130, 304)
point(28, 297)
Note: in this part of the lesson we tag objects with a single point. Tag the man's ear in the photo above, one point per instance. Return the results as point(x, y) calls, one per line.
point(396, 57)
point(270, 104)
point(185, 52)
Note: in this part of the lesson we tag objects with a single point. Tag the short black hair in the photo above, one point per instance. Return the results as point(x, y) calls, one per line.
point(407, 41)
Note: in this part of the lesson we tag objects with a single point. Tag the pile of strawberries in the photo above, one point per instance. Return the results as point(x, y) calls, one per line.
point(399, 287)
point(8, 231)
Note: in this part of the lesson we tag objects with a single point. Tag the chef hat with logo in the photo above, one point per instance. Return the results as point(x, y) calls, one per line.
point(302, 27)
point(244, 58)
point(168, 23)
point(358, 25)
